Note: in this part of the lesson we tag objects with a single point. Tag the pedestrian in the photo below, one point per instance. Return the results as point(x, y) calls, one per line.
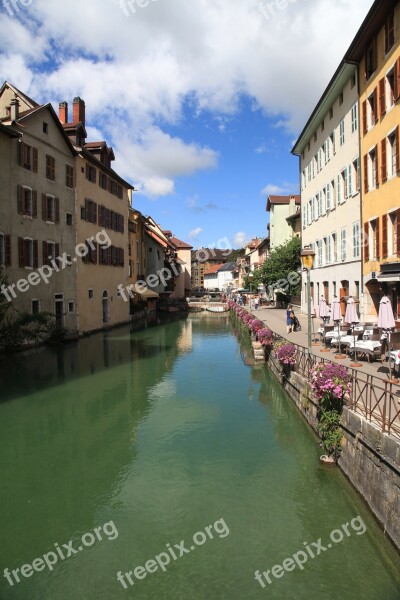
point(289, 319)
point(256, 303)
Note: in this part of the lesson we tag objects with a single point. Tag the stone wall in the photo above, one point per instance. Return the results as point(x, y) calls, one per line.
point(370, 459)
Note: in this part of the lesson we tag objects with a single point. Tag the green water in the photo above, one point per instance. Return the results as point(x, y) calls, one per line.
point(159, 434)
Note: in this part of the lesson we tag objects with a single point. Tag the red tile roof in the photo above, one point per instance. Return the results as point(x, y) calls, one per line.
point(179, 244)
point(212, 270)
point(282, 200)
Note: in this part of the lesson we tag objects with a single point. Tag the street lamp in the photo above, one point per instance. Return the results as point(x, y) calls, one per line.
point(307, 259)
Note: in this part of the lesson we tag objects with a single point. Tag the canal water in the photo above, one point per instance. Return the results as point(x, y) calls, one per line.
point(168, 443)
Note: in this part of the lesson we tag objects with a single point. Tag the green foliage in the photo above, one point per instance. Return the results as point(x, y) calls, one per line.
point(284, 260)
point(330, 432)
point(234, 255)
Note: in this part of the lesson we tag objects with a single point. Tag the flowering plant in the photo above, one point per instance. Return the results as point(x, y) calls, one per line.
point(257, 325)
point(265, 337)
point(330, 379)
point(286, 354)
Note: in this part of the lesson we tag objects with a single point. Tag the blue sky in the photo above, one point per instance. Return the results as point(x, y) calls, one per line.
point(201, 100)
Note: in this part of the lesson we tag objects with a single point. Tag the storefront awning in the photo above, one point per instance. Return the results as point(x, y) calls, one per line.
point(146, 293)
point(388, 277)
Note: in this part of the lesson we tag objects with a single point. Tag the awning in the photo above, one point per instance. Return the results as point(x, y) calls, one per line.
point(156, 238)
point(146, 293)
point(388, 277)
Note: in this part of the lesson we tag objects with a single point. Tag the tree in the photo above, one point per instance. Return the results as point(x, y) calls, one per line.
point(281, 269)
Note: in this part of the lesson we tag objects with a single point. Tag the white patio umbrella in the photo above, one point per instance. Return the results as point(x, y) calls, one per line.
point(323, 312)
point(386, 323)
point(336, 318)
point(351, 317)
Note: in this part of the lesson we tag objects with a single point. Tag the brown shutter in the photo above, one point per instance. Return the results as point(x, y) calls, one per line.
point(377, 165)
point(376, 108)
point(366, 243)
point(384, 165)
point(382, 97)
point(34, 204)
point(35, 254)
point(57, 253)
point(21, 252)
point(364, 116)
point(7, 245)
point(378, 240)
point(365, 173)
point(397, 79)
point(398, 231)
point(397, 149)
point(45, 254)
point(57, 209)
point(95, 253)
point(35, 159)
point(44, 207)
point(384, 237)
point(20, 200)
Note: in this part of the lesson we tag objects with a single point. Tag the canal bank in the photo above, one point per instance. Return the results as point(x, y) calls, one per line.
point(165, 432)
point(369, 458)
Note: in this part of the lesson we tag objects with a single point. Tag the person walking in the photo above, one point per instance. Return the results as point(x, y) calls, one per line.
point(256, 303)
point(289, 319)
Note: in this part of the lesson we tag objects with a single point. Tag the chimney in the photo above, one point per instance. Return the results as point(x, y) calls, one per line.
point(14, 109)
point(63, 112)
point(79, 111)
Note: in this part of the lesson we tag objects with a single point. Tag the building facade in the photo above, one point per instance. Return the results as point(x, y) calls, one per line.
point(279, 208)
point(328, 148)
point(202, 260)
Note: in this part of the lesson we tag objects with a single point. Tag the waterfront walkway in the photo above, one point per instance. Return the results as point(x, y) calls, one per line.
point(275, 319)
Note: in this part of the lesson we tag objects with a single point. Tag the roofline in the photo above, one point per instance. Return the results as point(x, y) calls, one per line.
point(8, 130)
point(53, 113)
point(89, 156)
point(26, 98)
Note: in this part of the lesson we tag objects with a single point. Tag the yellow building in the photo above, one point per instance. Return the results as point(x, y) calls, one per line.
point(376, 50)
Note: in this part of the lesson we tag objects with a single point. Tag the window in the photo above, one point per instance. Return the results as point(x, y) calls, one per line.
point(327, 150)
point(328, 241)
point(339, 189)
point(344, 184)
point(50, 167)
point(89, 211)
point(319, 160)
point(350, 190)
point(389, 31)
point(328, 199)
point(341, 132)
point(354, 118)
point(333, 194)
point(28, 253)
point(372, 164)
point(304, 217)
point(392, 162)
point(331, 113)
point(91, 173)
point(90, 294)
point(69, 176)
point(356, 240)
point(390, 88)
point(320, 259)
point(103, 181)
point(334, 247)
point(356, 173)
point(27, 201)
point(28, 157)
point(50, 209)
point(343, 244)
point(370, 59)
point(35, 307)
point(45, 128)
point(340, 98)
point(374, 239)
point(68, 218)
point(372, 109)
point(71, 307)
point(50, 252)
point(333, 142)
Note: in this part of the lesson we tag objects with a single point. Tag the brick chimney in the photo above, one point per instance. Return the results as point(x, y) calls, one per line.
point(79, 111)
point(63, 112)
point(14, 109)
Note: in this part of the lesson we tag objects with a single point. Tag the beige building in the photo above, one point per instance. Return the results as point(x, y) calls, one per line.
point(37, 208)
point(184, 258)
point(328, 148)
point(203, 260)
point(280, 208)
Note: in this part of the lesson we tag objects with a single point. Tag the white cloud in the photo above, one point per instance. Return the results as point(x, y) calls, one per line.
point(137, 73)
point(261, 149)
point(240, 239)
point(192, 235)
point(279, 190)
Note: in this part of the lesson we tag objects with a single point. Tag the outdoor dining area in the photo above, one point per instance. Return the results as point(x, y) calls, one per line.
point(346, 336)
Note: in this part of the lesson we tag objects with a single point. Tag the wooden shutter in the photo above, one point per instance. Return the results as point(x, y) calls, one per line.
point(365, 173)
point(384, 164)
point(35, 254)
point(95, 252)
point(397, 149)
point(20, 199)
point(376, 108)
point(384, 237)
point(364, 116)
point(397, 79)
point(21, 257)
point(57, 250)
point(44, 207)
point(7, 248)
point(35, 159)
point(398, 231)
point(382, 97)
point(34, 204)
point(20, 153)
point(378, 240)
point(366, 243)
point(45, 253)
point(377, 165)
point(57, 209)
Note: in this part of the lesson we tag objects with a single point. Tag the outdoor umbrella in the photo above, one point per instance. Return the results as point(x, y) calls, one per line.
point(351, 317)
point(336, 318)
point(323, 312)
point(386, 322)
